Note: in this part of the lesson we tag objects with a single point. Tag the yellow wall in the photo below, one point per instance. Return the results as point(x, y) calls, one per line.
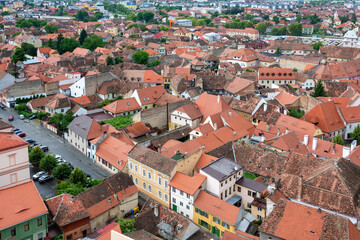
point(153, 182)
point(256, 213)
point(147, 106)
point(187, 164)
point(197, 220)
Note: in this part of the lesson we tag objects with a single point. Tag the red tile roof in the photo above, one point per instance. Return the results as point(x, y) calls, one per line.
point(187, 184)
point(276, 74)
point(136, 130)
point(150, 95)
point(14, 208)
point(123, 105)
point(217, 207)
point(351, 114)
point(10, 140)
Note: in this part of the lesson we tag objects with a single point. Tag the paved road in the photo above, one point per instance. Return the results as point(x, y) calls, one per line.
point(56, 144)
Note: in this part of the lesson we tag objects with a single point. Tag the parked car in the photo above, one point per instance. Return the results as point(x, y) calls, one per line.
point(21, 134)
point(58, 157)
point(22, 117)
point(45, 178)
point(30, 140)
point(61, 161)
point(32, 117)
point(11, 118)
point(69, 164)
point(15, 129)
point(2, 106)
point(34, 145)
point(37, 175)
point(44, 148)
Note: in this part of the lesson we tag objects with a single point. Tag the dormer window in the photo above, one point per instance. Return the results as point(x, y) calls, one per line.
point(285, 74)
point(290, 74)
point(279, 74)
point(273, 74)
point(268, 74)
point(262, 74)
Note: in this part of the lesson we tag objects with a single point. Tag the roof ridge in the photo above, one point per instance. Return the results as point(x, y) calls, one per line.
point(57, 211)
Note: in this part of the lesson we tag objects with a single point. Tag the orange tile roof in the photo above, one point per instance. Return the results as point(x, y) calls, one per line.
point(204, 160)
point(286, 98)
point(150, 95)
point(325, 116)
point(137, 129)
point(123, 105)
point(210, 104)
point(217, 207)
point(10, 140)
point(14, 209)
point(106, 231)
point(82, 100)
point(239, 236)
point(114, 151)
point(339, 101)
point(276, 73)
point(151, 52)
point(187, 184)
point(152, 77)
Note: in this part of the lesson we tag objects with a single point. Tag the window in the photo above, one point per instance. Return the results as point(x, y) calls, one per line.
point(181, 204)
point(225, 193)
point(166, 197)
point(160, 194)
point(187, 207)
point(149, 174)
point(181, 193)
point(136, 168)
point(12, 161)
point(254, 194)
point(166, 183)
point(144, 172)
point(13, 178)
point(216, 220)
point(136, 181)
point(174, 200)
point(224, 224)
point(259, 217)
point(249, 205)
point(26, 227)
point(13, 232)
point(174, 190)
point(188, 195)
point(150, 190)
point(249, 193)
point(259, 209)
point(239, 189)
point(144, 185)
point(160, 180)
point(39, 221)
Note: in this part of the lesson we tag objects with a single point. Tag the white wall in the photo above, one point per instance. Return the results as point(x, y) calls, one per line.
point(78, 88)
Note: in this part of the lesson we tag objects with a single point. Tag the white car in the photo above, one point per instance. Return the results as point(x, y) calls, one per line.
point(22, 117)
point(58, 157)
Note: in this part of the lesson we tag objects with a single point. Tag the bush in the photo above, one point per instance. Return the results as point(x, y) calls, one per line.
point(250, 175)
point(126, 225)
point(119, 122)
point(70, 188)
point(296, 113)
point(62, 171)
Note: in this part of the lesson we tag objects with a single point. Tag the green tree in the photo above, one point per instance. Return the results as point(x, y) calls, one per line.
point(109, 61)
point(356, 134)
point(282, 30)
point(93, 42)
point(141, 57)
point(51, 29)
point(338, 140)
point(126, 225)
point(154, 63)
point(319, 90)
point(70, 188)
point(48, 162)
point(68, 45)
point(266, 17)
point(118, 60)
point(83, 35)
point(295, 29)
point(5, 13)
point(36, 155)
point(278, 50)
point(298, 18)
point(296, 113)
point(274, 31)
point(62, 171)
point(78, 176)
point(58, 41)
point(148, 16)
point(19, 55)
point(82, 16)
point(61, 121)
point(98, 15)
point(29, 49)
point(276, 19)
point(261, 27)
point(51, 44)
point(317, 45)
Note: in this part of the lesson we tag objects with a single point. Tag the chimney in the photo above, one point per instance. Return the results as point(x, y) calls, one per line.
point(278, 132)
point(306, 140)
point(265, 107)
point(215, 126)
point(314, 144)
point(333, 148)
point(230, 113)
point(267, 127)
point(234, 133)
point(156, 210)
point(346, 152)
point(353, 145)
point(218, 99)
point(297, 147)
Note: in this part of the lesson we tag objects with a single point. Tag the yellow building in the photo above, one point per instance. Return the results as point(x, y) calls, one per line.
point(151, 173)
point(216, 215)
point(114, 31)
point(258, 208)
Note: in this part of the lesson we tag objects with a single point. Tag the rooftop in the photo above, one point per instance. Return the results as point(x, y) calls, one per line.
point(222, 168)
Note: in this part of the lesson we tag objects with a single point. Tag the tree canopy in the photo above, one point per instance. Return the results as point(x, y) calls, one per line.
point(48, 162)
point(68, 45)
point(62, 171)
point(83, 36)
point(29, 49)
point(338, 140)
point(93, 42)
point(19, 55)
point(295, 29)
point(78, 176)
point(35, 155)
point(319, 90)
point(141, 57)
point(51, 29)
point(356, 134)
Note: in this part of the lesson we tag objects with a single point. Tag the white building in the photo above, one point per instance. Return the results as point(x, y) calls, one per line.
point(351, 118)
point(351, 39)
point(222, 175)
point(184, 190)
point(186, 115)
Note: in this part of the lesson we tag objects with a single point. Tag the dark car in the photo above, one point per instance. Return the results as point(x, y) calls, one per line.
point(44, 148)
point(33, 117)
point(69, 164)
point(45, 178)
point(30, 140)
point(11, 118)
point(2, 106)
point(21, 134)
point(37, 175)
point(15, 129)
